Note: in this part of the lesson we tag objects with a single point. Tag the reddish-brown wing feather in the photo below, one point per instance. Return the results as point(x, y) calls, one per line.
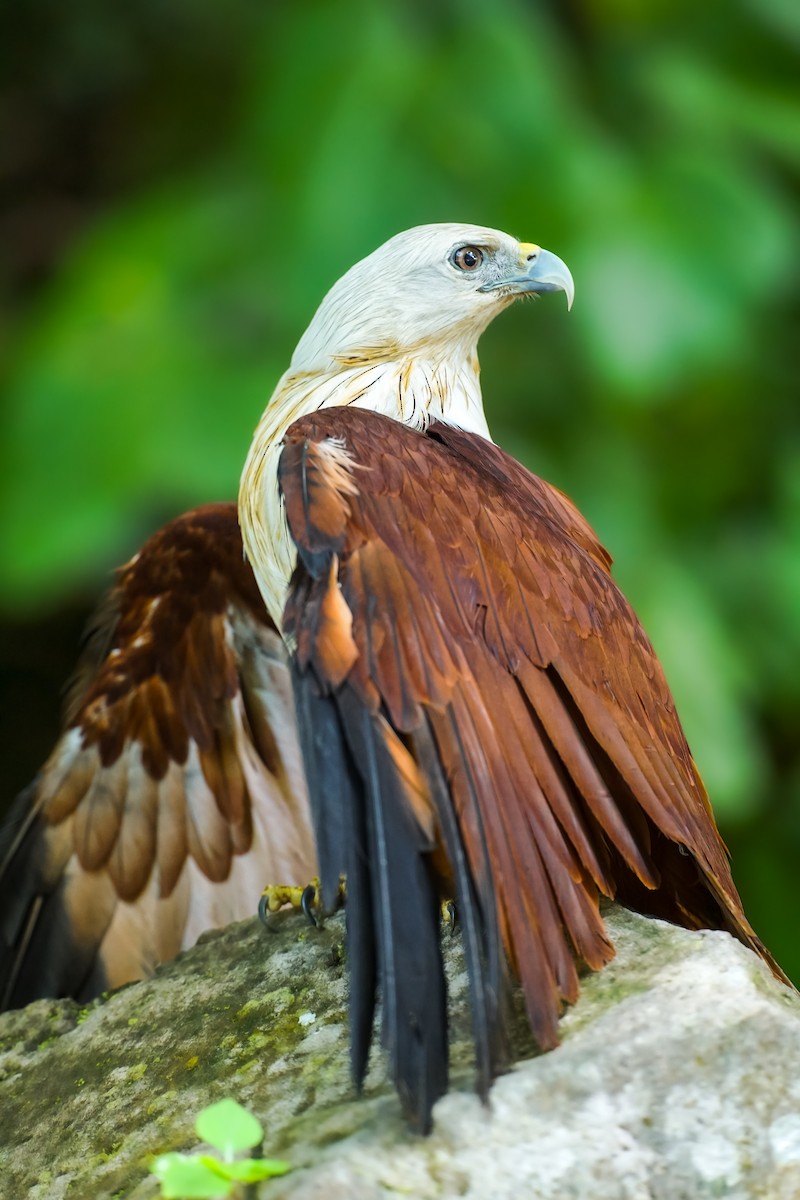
point(468, 609)
point(176, 789)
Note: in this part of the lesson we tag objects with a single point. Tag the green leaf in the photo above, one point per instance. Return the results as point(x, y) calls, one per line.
point(228, 1127)
point(185, 1178)
point(247, 1170)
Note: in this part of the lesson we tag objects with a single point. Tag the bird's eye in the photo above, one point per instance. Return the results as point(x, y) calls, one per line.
point(467, 258)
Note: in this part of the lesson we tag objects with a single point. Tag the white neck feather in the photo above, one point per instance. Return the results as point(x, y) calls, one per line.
point(414, 390)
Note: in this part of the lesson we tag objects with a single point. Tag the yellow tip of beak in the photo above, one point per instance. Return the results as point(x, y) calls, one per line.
point(526, 249)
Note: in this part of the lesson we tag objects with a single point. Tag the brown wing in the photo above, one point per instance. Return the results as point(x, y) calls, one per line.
point(498, 708)
point(176, 790)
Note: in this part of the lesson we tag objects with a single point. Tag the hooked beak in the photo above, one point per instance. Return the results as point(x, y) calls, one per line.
point(540, 271)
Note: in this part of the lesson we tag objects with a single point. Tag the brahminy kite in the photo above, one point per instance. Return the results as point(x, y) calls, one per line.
point(481, 716)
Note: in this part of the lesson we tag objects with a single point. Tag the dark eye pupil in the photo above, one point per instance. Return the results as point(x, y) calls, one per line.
point(467, 258)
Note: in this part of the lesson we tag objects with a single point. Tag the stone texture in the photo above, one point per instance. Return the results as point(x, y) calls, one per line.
point(678, 1077)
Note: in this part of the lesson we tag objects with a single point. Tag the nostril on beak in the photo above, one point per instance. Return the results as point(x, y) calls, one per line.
point(531, 257)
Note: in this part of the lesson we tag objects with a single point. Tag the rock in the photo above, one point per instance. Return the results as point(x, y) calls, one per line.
point(678, 1078)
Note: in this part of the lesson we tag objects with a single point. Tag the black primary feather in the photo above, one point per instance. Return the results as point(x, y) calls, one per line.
point(477, 918)
point(337, 805)
point(39, 952)
point(406, 915)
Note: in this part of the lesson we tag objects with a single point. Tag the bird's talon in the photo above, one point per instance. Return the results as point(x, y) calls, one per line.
point(278, 895)
point(448, 913)
point(307, 897)
point(309, 902)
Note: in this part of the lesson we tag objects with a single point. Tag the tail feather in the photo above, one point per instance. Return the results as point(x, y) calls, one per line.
point(342, 849)
point(406, 913)
point(477, 915)
point(367, 829)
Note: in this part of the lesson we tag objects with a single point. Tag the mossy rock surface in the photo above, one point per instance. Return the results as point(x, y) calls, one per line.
point(678, 1076)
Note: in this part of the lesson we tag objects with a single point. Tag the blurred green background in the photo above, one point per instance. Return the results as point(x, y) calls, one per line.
point(182, 181)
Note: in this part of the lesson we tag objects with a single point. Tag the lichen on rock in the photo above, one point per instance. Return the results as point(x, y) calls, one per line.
point(678, 1077)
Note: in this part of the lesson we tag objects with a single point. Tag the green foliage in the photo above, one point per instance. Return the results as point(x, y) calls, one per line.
point(183, 1178)
point(654, 146)
point(230, 1129)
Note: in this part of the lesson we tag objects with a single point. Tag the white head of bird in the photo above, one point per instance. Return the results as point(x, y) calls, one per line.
point(397, 334)
point(427, 293)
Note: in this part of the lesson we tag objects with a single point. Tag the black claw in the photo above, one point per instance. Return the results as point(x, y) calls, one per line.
point(263, 911)
point(307, 904)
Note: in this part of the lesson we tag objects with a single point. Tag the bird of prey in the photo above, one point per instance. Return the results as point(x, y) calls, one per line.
point(176, 788)
point(481, 713)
